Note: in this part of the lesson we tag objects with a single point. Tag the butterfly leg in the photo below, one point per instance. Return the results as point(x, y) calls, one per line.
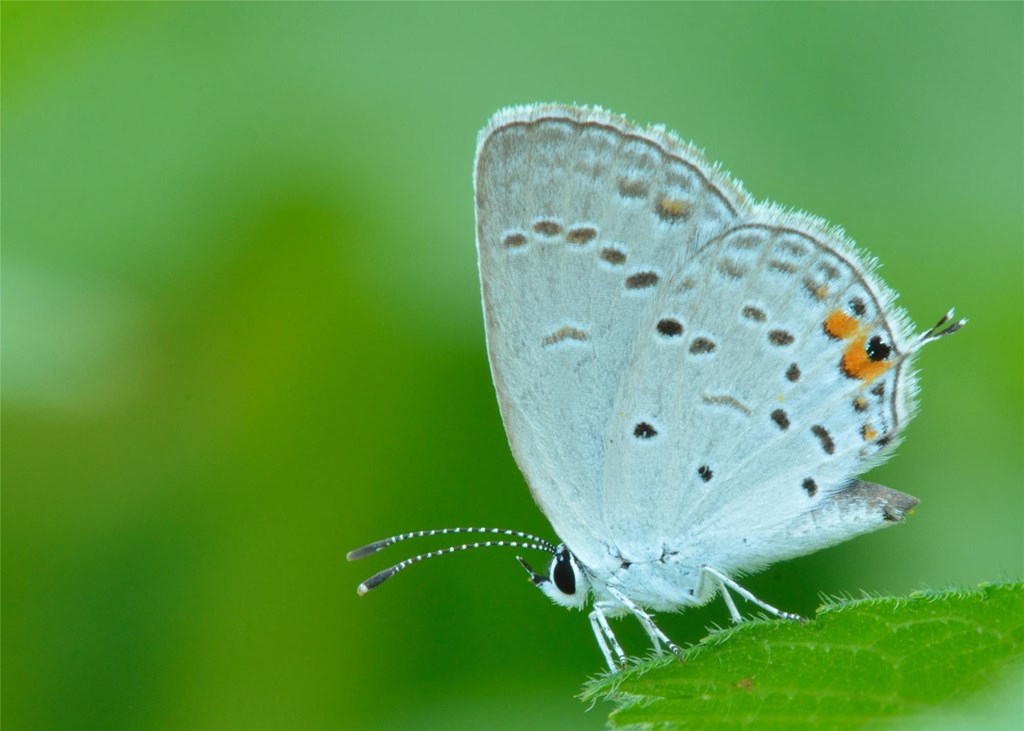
point(727, 583)
point(655, 640)
point(733, 611)
point(647, 622)
point(603, 633)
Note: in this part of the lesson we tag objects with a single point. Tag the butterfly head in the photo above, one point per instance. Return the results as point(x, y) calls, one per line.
point(566, 583)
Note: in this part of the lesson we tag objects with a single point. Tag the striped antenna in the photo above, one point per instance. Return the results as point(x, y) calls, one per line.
point(378, 545)
point(381, 576)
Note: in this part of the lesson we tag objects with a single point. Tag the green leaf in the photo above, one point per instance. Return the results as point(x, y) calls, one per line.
point(858, 663)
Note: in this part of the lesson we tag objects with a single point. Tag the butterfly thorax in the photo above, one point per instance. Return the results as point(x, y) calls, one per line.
point(670, 582)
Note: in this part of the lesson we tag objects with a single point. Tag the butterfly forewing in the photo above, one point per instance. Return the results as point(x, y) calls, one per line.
point(579, 219)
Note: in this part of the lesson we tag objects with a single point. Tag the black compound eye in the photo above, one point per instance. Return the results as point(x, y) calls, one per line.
point(563, 575)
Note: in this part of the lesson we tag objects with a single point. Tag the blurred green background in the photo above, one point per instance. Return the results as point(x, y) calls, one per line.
point(242, 333)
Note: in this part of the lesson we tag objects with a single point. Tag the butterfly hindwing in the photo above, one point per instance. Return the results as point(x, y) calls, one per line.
point(786, 378)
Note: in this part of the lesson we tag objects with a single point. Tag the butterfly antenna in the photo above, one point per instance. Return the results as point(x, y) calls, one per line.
point(372, 548)
point(527, 541)
point(381, 576)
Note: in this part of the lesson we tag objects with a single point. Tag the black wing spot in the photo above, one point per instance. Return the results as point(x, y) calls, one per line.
point(643, 430)
point(705, 473)
point(754, 313)
point(581, 236)
point(547, 228)
point(641, 280)
point(781, 419)
point(825, 438)
point(878, 349)
point(700, 346)
point(810, 486)
point(613, 256)
point(670, 327)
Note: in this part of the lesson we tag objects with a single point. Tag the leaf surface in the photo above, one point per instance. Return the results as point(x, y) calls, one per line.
point(858, 664)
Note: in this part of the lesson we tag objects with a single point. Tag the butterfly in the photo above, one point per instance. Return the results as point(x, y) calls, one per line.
point(690, 380)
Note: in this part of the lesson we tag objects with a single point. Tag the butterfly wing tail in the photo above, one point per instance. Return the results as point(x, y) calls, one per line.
point(857, 508)
point(879, 502)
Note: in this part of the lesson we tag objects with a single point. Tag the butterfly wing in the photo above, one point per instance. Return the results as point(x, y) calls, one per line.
point(786, 373)
point(579, 216)
point(677, 368)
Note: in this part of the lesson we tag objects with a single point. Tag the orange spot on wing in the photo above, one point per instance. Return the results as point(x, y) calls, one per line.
point(868, 433)
point(841, 325)
point(673, 209)
point(856, 363)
